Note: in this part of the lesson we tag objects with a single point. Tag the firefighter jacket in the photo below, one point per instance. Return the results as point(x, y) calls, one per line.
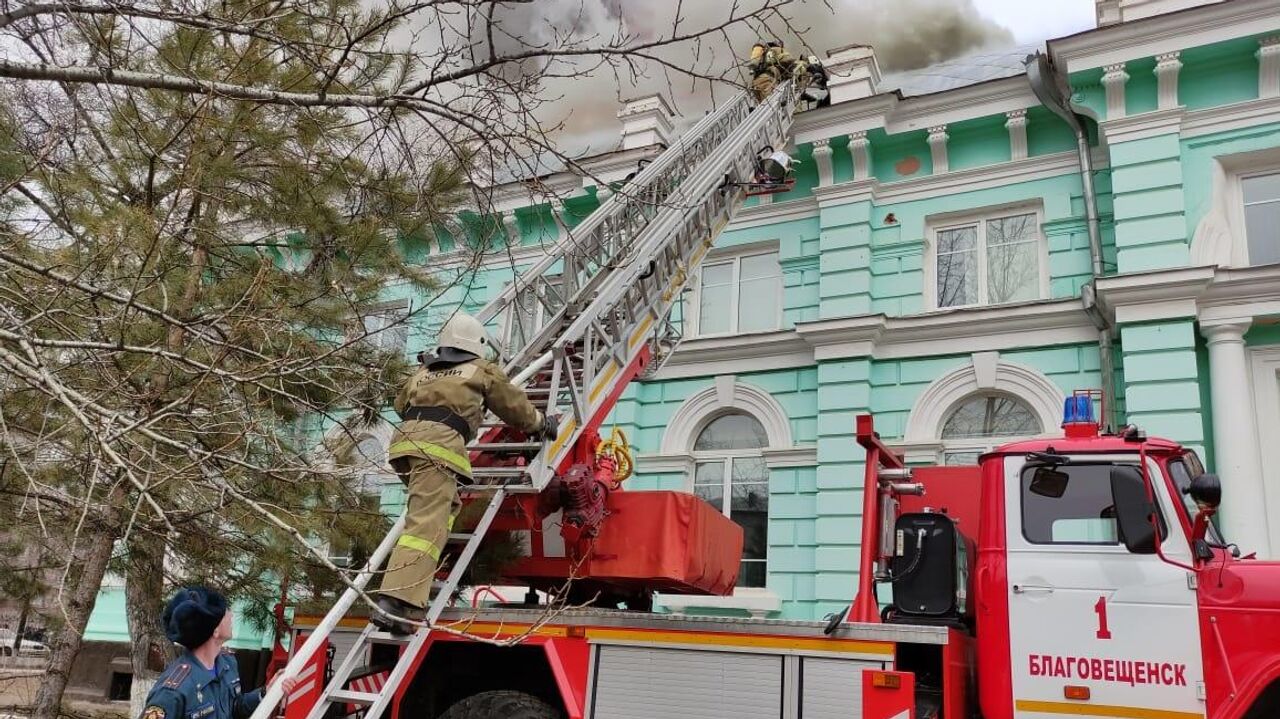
point(464, 390)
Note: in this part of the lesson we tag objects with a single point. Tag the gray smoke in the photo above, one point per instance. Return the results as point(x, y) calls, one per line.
point(906, 34)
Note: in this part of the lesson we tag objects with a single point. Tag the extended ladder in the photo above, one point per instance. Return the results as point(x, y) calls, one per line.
point(621, 271)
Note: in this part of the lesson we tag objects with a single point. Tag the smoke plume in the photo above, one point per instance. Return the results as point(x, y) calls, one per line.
point(906, 34)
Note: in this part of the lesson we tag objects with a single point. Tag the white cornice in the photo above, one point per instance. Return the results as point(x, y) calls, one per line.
point(780, 457)
point(981, 329)
point(737, 354)
point(994, 97)
point(969, 180)
point(774, 213)
point(1204, 292)
point(1143, 126)
point(1166, 33)
point(843, 118)
point(674, 463)
point(1230, 117)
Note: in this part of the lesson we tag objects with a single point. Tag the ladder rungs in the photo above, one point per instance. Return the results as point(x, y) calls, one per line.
point(505, 447)
point(389, 638)
point(499, 471)
point(460, 537)
point(344, 695)
point(468, 489)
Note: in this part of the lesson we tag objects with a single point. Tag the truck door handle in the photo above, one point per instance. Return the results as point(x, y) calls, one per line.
point(1030, 588)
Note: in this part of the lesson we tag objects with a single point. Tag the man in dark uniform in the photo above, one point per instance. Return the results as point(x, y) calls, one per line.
point(204, 681)
point(442, 406)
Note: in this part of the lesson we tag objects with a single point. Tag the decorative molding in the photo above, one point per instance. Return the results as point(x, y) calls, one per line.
point(782, 457)
point(697, 410)
point(739, 354)
point(981, 329)
point(1153, 36)
point(1016, 123)
point(674, 463)
point(1269, 67)
point(1206, 293)
point(985, 367)
point(936, 402)
point(1226, 331)
point(1235, 116)
point(918, 452)
point(1166, 70)
point(860, 151)
point(725, 385)
point(773, 213)
point(963, 103)
point(1143, 126)
point(971, 179)
point(822, 160)
point(938, 148)
point(844, 118)
point(511, 225)
point(1113, 79)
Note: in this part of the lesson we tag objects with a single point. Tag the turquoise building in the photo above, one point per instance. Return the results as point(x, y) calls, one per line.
point(932, 266)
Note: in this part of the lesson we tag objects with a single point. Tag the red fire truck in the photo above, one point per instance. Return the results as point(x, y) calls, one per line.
point(1074, 576)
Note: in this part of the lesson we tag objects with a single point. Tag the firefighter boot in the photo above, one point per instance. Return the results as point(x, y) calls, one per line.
point(396, 608)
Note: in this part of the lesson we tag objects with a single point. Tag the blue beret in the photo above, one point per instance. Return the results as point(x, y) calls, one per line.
point(193, 614)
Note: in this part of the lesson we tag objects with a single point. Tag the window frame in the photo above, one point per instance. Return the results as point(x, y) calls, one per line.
point(980, 445)
point(1238, 216)
point(734, 257)
point(376, 338)
point(979, 218)
point(1162, 524)
point(726, 457)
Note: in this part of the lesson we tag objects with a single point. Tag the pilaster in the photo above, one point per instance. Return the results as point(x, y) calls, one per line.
point(1269, 66)
point(1113, 80)
point(1167, 67)
point(1016, 123)
point(860, 150)
point(938, 148)
point(822, 161)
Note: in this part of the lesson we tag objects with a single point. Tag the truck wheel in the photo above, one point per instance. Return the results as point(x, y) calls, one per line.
point(502, 704)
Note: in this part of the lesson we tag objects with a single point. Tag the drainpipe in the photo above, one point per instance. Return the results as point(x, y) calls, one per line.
point(1051, 88)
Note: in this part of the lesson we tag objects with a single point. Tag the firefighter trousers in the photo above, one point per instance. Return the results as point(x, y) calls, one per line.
point(433, 506)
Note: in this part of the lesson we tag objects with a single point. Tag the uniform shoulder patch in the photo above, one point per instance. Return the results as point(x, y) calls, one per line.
point(176, 677)
point(153, 712)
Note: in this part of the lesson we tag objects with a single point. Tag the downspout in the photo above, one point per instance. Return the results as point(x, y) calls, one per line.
point(1051, 88)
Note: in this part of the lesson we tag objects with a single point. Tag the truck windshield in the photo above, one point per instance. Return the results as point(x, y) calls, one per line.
point(1183, 470)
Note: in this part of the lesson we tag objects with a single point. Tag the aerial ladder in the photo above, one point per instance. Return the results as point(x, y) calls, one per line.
point(606, 293)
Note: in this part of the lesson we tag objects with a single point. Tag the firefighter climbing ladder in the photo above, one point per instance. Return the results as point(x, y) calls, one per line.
point(620, 273)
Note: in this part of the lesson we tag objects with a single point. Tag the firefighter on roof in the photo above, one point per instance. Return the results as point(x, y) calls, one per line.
point(204, 682)
point(442, 406)
point(769, 64)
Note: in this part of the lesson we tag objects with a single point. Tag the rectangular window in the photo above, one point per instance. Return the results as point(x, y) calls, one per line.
point(989, 260)
point(1068, 504)
point(1261, 194)
point(746, 481)
point(387, 328)
point(534, 306)
point(740, 294)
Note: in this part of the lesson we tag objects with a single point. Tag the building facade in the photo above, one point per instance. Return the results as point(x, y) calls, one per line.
point(932, 266)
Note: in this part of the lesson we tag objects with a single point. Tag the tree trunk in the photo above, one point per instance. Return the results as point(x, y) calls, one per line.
point(150, 649)
point(79, 596)
point(22, 626)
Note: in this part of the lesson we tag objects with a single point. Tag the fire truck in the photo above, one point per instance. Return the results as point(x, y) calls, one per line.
point(1074, 576)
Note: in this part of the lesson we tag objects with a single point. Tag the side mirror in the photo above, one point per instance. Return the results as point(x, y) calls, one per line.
point(1133, 510)
point(1206, 490)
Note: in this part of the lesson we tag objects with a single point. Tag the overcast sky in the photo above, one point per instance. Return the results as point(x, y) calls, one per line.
point(1039, 20)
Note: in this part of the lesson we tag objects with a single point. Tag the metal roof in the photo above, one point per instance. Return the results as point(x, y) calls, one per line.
point(959, 72)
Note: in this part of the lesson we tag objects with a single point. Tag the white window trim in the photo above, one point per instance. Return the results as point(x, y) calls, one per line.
point(1220, 238)
point(952, 220)
point(404, 306)
point(986, 373)
point(693, 315)
point(1237, 206)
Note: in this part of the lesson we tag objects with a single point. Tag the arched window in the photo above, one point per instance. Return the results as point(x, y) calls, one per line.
point(980, 422)
point(730, 464)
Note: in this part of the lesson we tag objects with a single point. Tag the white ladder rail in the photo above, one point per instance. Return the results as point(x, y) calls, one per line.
point(607, 334)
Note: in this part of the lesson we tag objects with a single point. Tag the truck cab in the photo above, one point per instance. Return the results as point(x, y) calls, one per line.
point(1102, 587)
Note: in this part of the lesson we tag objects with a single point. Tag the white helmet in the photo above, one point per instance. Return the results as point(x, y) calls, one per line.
point(463, 332)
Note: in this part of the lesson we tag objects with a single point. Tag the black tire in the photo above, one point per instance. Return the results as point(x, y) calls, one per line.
point(502, 704)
